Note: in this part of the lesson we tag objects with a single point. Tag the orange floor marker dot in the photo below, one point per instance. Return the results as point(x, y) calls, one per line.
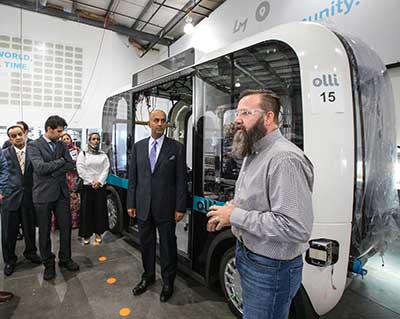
point(102, 258)
point(111, 280)
point(124, 312)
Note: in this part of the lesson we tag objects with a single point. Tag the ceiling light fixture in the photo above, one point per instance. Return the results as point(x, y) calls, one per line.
point(188, 28)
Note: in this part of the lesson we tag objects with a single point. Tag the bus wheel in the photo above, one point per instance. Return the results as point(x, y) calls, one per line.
point(300, 308)
point(115, 212)
point(230, 282)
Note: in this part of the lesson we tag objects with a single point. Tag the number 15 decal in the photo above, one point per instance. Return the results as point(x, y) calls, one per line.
point(328, 97)
point(326, 92)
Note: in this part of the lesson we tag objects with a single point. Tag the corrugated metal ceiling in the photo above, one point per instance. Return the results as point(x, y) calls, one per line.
point(148, 23)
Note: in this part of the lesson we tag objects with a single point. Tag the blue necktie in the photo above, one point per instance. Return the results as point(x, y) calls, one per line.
point(52, 146)
point(153, 156)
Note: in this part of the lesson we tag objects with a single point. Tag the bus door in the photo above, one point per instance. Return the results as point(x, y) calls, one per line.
point(117, 128)
point(215, 172)
point(268, 65)
point(174, 97)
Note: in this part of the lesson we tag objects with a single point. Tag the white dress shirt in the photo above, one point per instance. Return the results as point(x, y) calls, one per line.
point(92, 167)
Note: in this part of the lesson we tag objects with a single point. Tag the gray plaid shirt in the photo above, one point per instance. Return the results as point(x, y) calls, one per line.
point(273, 216)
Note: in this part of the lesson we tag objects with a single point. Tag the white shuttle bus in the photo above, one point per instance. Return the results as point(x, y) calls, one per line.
point(337, 106)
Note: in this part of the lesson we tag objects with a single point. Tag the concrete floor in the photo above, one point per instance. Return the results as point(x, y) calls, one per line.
point(377, 296)
point(86, 294)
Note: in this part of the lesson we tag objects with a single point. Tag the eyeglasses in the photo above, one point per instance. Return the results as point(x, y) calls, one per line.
point(245, 112)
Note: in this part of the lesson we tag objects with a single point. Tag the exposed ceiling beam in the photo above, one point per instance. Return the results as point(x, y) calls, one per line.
point(151, 17)
point(187, 8)
point(31, 6)
point(181, 10)
point(248, 73)
point(268, 67)
point(109, 8)
point(207, 8)
point(141, 15)
point(73, 9)
point(84, 4)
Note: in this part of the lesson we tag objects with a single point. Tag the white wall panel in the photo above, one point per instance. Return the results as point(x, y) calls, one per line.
point(116, 63)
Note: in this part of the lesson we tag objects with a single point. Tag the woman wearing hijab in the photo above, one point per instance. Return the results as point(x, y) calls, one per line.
point(72, 181)
point(93, 166)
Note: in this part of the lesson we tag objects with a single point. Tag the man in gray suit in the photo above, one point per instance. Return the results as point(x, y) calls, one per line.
point(157, 197)
point(51, 160)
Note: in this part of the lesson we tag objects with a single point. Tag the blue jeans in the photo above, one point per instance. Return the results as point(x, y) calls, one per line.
point(268, 285)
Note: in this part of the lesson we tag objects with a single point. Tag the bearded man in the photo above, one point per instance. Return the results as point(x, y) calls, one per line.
point(271, 214)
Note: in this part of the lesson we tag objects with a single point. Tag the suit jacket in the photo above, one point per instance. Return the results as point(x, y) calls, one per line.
point(164, 190)
point(49, 168)
point(3, 174)
point(19, 185)
point(6, 144)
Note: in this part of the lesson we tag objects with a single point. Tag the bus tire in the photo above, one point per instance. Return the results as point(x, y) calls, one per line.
point(301, 307)
point(114, 211)
point(232, 295)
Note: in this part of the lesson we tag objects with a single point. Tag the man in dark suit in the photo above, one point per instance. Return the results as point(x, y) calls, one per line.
point(157, 198)
point(51, 160)
point(6, 144)
point(4, 295)
point(18, 206)
point(3, 177)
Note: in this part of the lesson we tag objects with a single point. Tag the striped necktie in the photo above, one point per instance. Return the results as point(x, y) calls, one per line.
point(21, 161)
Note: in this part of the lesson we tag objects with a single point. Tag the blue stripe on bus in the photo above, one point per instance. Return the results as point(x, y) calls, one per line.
point(202, 204)
point(117, 181)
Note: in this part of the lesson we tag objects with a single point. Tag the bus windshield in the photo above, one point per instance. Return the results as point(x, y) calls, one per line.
point(269, 65)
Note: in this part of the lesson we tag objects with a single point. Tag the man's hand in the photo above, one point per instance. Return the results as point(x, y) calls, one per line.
point(178, 216)
point(2, 197)
point(95, 184)
point(132, 212)
point(220, 216)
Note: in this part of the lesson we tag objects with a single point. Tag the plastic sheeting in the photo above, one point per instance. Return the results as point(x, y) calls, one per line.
point(376, 217)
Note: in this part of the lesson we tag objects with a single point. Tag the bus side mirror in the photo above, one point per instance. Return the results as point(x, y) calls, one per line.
point(322, 252)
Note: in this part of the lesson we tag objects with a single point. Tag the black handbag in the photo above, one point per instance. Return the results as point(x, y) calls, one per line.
point(79, 183)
